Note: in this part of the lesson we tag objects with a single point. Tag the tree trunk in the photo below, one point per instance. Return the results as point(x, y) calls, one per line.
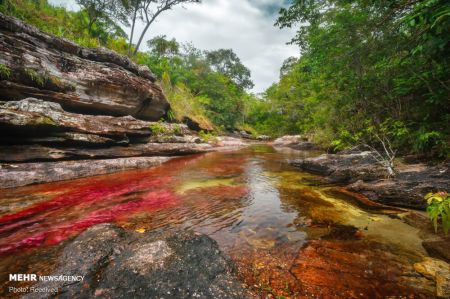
point(145, 31)
point(132, 30)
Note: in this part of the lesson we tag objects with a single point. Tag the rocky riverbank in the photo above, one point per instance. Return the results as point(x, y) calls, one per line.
point(124, 264)
point(361, 172)
point(68, 112)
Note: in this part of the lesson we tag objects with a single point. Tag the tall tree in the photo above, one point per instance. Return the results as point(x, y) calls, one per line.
point(163, 47)
point(225, 61)
point(148, 11)
point(106, 10)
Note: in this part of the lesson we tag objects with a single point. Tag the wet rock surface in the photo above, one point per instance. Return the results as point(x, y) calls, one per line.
point(365, 175)
point(364, 269)
point(14, 175)
point(92, 81)
point(125, 264)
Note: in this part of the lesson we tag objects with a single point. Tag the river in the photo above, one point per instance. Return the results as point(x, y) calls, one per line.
point(289, 233)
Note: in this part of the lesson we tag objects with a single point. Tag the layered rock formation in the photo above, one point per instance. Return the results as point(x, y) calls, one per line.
point(62, 106)
point(92, 81)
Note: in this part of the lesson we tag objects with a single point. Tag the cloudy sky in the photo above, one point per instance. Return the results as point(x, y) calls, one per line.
point(246, 26)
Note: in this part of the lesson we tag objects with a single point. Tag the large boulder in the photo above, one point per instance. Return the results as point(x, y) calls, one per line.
point(124, 264)
point(92, 81)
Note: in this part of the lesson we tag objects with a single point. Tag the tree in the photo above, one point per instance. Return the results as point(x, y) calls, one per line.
point(225, 61)
point(163, 47)
point(106, 10)
point(148, 11)
point(288, 66)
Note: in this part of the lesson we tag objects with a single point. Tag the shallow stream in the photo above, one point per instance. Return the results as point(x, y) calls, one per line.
point(289, 233)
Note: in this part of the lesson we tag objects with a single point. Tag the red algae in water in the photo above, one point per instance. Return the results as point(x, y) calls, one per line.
point(61, 231)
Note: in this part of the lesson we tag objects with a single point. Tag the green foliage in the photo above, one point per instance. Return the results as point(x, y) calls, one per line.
point(63, 23)
point(225, 61)
point(364, 64)
point(159, 129)
point(176, 129)
point(439, 209)
point(207, 89)
point(5, 71)
point(35, 77)
point(208, 136)
point(184, 104)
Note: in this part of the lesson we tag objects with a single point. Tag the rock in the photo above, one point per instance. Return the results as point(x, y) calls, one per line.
point(288, 140)
point(343, 168)
point(430, 266)
point(14, 175)
point(296, 142)
point(438, 248)
point(25, 153)
point(438, 271)
point(225, 141)
point(93, 81)
point(356, 269)
point(263, 138)
point(365, 175)
point(198, 124)
point(125, 264)
point(443, 284)
point(36, 117)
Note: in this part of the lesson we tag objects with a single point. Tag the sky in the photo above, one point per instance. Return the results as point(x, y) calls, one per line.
point(246, 26)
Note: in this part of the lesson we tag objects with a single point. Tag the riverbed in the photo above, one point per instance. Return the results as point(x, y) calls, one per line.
point(288, 232)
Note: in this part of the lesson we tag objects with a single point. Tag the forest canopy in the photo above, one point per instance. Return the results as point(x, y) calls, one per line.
point(365, 69)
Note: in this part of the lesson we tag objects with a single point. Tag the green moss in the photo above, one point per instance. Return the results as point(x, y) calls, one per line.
point(176, 129)
point(5, 71)
point(45, 121)
point(158, 129)
point(35, 77)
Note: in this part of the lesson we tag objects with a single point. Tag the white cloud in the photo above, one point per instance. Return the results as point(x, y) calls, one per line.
point(246, 26)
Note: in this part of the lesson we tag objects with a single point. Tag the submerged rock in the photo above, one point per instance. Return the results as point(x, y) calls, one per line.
point(92, 81)
point(125, 264)
point(356, 269)
point(438, 271)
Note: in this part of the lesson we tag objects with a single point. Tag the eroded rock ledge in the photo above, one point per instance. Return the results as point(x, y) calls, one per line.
point(43, 143)
point(125, 264)
point(91, 81)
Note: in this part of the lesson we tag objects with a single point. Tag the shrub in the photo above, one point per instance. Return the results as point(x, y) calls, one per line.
point(439, 208)
point(207, 136)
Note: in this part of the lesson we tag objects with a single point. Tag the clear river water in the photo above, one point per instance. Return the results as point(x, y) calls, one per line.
point(289, 233)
